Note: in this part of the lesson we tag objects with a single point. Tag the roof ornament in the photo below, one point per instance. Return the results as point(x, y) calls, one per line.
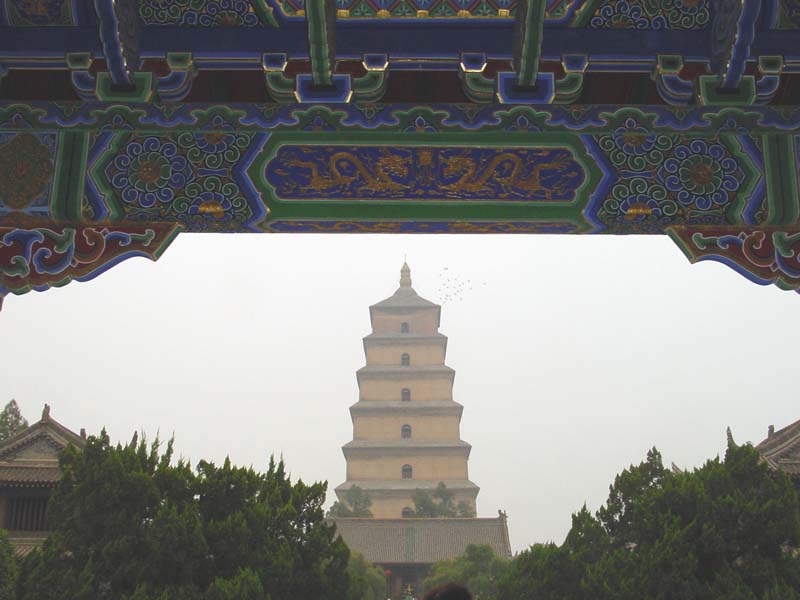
point(405, 275)
point(771, 431)
point(46, 413)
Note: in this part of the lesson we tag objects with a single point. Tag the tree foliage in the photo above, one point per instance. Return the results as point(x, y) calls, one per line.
point(367, 581)
point(440, 503)
point(728, 530)
point(129, 523)
point(356, 503)
point(479, 569)
point(11, 421)
point(8, 568)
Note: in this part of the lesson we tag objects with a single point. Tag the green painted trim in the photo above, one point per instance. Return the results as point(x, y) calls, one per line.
point(669, 64)
point(66, 201)
point(709, 92)
point(264, 12)
point(115, 211)
point(532, 34)
point(370, 87)
point(584, 13)
point(180, 61)
point(280, 87)
point(568, 88)
point(675, 237)
point(143, 90)
point(167, 241)
point(478, 87)
point(78, 60)
point(733, 213)
point(422, 210)
point(783, 200)
point(318, 42)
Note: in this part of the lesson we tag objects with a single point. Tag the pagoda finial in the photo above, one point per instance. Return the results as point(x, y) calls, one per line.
point(405, 275)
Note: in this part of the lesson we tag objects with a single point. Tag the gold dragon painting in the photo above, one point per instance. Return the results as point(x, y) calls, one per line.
point(541, 174)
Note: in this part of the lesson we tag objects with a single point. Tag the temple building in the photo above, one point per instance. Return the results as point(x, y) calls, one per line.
point(29, 471)
point(405, 424)
point(406, 437)
point(781, 449)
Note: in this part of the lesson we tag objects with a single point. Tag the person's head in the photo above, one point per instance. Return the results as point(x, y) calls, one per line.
point(448, 591)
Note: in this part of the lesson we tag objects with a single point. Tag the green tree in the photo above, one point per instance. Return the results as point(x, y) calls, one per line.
point(479, 569)
point(356, 503)
point(8, 568)
point(728, 530)
point(440, 503)
point(245, 585)
point(366, 581)
point(11, 420)
point(129, 522)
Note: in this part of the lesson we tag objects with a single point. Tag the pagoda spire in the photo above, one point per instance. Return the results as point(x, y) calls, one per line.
point(405, 275)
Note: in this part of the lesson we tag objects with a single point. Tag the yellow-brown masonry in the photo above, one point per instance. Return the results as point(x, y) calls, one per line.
point(406, 426)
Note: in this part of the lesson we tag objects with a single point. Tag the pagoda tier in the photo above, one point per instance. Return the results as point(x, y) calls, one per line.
point(406, 426)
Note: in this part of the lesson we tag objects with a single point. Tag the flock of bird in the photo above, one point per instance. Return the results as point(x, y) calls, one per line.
point(452, 288)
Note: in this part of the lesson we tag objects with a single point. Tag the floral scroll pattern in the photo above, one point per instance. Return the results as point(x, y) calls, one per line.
point(200, 13)
point(651, 14)
point(666, 179)
point(39, 13)
point(789, 14)
point(189, 177)
point(26, 172)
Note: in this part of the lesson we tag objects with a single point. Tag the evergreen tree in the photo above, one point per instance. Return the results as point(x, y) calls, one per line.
point(479, 569)
point(356, 503)
point(366, 581)
point(440, 503)
point(11, 421)
point(8, 568)
point(728, 530)
point(128, 522)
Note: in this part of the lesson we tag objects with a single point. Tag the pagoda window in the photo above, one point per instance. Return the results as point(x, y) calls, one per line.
point(405, 432)
point(405, 395)
point(405, 360)
point(407, 512)
point(408, 472)
point(404, 328)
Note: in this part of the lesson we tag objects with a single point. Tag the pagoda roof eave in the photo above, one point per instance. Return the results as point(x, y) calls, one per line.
point(434, 407)
point(401, 372)
point(392, 486)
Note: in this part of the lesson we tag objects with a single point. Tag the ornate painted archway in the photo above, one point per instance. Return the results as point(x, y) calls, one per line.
point(125, 123)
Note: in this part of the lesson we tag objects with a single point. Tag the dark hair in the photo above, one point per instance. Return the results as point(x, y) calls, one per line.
point(448, 591)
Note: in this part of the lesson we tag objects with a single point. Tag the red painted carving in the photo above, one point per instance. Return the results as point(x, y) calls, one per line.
point(38, 258)
point(763, 255)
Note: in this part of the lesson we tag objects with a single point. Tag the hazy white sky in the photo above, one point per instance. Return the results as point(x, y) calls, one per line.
point(573, 355)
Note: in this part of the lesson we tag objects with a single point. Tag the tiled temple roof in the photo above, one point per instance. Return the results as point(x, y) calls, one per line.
point(405, 297)
point(30, 458)
point(28, 476)
point(781, 449)
point(422, 541)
